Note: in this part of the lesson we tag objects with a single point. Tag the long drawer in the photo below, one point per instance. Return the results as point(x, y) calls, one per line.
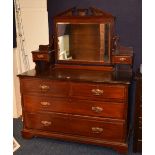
point(35, 103)
point(46, 87)
point(99, 92)
point(102, 129)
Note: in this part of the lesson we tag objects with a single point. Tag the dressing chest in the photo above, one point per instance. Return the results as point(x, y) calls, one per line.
point(79, 88)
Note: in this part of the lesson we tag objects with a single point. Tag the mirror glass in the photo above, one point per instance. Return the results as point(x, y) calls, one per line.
point(83, 42)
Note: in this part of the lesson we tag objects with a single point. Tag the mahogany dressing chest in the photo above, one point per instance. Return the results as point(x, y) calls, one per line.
point(79, 88)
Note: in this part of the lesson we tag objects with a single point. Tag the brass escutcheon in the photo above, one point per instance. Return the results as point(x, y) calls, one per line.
point(97, 130)
point(97, 109)
point(46, 123)
point(97, 91)
point(40, 56)
point(45, 103)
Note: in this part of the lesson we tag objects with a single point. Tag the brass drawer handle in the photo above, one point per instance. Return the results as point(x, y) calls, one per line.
point(44, 87)
point(97, 91)
point(97, 130)
point(45, 103)
point(122, 59)
point(46, 123)
point(40, 56)
point(97, 109)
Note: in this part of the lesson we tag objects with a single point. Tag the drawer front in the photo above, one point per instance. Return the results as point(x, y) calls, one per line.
point(109, 130)
point(46, 87)
point(35, 103)
point(122, 59)
point(81, 107)
point(99, 92)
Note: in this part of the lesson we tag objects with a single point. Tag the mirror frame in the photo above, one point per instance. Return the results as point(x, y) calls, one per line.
point(84, 20)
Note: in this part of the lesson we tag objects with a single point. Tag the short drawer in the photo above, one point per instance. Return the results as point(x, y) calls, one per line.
point(99, 92)
point(81, 107)
point(101, 129)
point(122, 59)
point(46, 87)
point(35, 103)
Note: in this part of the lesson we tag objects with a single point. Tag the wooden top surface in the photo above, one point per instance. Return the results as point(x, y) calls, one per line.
point(79, 75)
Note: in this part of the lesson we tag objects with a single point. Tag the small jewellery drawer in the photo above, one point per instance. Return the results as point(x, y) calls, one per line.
point(80, 107)
point(100, 91)
point(69, 124)
point(49, 87)
point(122, 59)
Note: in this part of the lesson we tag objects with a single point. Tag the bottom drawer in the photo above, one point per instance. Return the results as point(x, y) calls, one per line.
point(105, 129)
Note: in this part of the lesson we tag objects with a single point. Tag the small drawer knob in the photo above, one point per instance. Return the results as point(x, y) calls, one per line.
point(46, 123)
point(97, 109)
point(97, 91)
point(45, 103)
point(40, 56)
point(122, 59)
point(97, 130)
point(44, 87)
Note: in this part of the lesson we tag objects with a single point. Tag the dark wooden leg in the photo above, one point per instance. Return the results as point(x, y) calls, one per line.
point(122, 149)
point(27, 135)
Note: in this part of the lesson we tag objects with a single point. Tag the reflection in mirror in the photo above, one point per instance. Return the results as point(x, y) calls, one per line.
point(83, 42)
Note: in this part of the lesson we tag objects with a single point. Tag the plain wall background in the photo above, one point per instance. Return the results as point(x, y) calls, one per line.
point(128, 15)
point(33, 25)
